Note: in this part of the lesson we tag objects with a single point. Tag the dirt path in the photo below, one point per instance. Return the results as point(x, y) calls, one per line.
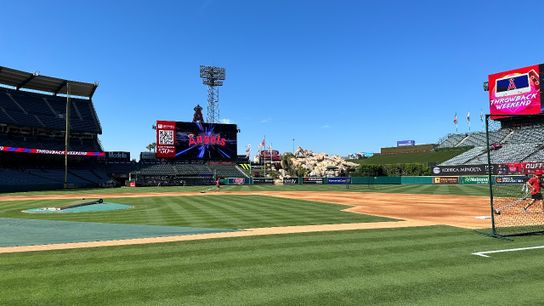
point(245, 233)
point(414, 209)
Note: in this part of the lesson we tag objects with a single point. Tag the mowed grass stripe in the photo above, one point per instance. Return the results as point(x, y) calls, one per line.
point(290, 273)
point(206, 250)
point(414, 189)
point(234, 246)
point(196, 261)
point(528, 293)
point(231, 212)
point(356, 267)
point(223, 211)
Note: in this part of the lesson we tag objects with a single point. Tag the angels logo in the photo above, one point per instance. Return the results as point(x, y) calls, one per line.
point(207, 140)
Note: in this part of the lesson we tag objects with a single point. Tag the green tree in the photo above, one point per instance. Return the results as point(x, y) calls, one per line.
point(151, 147)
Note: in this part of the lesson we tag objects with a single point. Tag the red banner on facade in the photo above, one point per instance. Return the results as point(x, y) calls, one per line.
point(49, 152)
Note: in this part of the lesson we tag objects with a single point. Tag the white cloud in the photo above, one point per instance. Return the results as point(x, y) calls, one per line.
point(266, 120)
point(326, 126)
point(226, 121)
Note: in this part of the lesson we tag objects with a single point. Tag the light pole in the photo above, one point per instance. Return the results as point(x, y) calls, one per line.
point(66, 135)
point(213, 77)
point(293, 146)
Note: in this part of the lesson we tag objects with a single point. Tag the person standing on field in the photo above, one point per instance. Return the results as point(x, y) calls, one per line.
point(535, 190)
point(217, 183)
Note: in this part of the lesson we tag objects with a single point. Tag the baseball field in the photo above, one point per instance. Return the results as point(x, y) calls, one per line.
point(266, 245)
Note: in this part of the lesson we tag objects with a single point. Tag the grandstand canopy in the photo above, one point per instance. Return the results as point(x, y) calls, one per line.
point(26, 80)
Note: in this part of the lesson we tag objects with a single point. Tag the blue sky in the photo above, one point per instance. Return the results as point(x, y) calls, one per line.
point(337, 76)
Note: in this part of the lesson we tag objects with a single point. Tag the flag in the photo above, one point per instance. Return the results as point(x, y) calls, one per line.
point(248, 150)
point(455, 119)
point(468, 117)
point(263, 143)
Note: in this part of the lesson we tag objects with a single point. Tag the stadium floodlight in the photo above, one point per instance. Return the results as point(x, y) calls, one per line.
point(212, 77)
point(486, 86)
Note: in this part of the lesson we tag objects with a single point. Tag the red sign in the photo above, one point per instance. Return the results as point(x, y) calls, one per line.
point(515, 92)
point(525, 168)
point(166, 139)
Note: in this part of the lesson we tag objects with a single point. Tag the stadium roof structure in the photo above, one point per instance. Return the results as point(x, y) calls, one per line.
point(34, 81)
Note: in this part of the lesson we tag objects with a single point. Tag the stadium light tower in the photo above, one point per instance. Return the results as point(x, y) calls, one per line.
point(213, 77)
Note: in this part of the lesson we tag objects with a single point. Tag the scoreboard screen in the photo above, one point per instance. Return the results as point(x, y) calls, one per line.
point(196, 141)
point(516, 92)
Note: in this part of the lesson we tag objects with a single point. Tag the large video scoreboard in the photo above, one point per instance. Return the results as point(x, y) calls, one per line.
point(196, 141)
point(516, 92)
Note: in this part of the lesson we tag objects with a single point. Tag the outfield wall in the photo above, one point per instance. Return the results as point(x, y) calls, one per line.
point(385, 180)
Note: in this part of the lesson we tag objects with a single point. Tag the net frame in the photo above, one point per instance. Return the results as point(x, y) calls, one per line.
point(508, 191)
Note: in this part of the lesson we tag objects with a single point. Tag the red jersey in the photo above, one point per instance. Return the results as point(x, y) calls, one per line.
point(535, 184)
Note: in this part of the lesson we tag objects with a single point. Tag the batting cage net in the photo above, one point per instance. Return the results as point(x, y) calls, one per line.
point(515, 160)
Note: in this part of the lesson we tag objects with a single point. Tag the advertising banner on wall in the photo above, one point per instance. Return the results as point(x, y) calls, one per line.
point(514, 179)
point(236, 181)
point(262, 180)
point(464, 170)
point(313, 180)
point(446, 180)
point(290, 180)
point(515, 92)
point(521, 168)
point(118, 156)
point(339, 180)
point(405, 143)
point(474, 180)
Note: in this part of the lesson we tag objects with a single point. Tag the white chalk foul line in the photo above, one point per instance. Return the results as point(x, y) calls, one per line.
point(484, 254)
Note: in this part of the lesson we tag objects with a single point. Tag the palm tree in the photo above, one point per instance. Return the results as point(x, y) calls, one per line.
point(150, 147)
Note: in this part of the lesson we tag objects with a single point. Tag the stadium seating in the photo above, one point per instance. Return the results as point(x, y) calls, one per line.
point(158, 169)
point(227, 171)
point(452, 140)
point(49, 143)
point(42, 179)
point(44, 111)
point(537, 156)
point(508, 153)
point(533, 134)
point(24, 180)
point(474, 139)
point(465, 157)
point(121, 167)
point(190, 170)
point(517, 144)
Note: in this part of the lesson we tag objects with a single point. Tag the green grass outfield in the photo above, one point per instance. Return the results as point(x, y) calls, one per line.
point(415, 189)
point(411, 266)
point(217, 211)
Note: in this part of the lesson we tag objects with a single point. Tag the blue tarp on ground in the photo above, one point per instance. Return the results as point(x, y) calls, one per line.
point(17, 232)
point(80, 209)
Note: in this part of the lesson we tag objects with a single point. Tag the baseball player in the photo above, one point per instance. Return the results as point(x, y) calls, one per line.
point(534, 188)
